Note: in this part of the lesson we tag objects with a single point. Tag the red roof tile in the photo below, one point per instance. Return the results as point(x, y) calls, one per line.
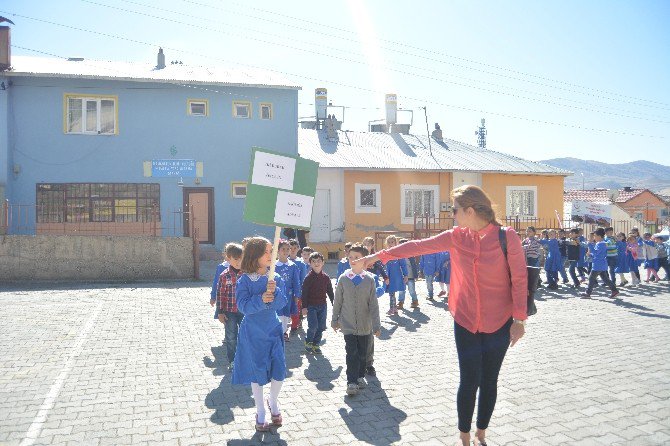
point(600, 195)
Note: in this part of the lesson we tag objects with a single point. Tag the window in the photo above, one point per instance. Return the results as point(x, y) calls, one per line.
point(97, 202)
point(241, 109)
point(238, 189)
point(522, 201)
point(93, 115)
point(368, 198)
point(418, 200)
point(266, 111)
point(198, 107)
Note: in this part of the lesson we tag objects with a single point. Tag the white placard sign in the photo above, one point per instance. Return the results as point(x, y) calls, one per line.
point(293, 209)
point(273, 171)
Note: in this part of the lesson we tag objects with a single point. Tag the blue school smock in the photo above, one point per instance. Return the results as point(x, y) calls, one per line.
point(342, 266)
point(260, 341)
point(445, 268)
point(599, 251)
point(430, 263)
point(396, 270)
point(582, 252)
point(650, 263)
point(622, 262)
point(554, 261)
point(290, 274)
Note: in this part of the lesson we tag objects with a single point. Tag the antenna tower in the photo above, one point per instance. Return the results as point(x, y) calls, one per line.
point(481, 135)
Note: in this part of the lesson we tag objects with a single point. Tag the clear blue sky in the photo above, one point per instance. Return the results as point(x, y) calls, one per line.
point(552, 79)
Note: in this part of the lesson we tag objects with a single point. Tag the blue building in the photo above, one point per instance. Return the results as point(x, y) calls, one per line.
point(115, 147)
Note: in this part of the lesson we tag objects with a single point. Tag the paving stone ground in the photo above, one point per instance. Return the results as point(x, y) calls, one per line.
point(143, 364)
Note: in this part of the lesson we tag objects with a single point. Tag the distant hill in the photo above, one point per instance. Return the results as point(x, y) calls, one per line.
point(639, 174)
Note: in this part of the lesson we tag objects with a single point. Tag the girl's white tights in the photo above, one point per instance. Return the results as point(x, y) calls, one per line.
point(257, 392)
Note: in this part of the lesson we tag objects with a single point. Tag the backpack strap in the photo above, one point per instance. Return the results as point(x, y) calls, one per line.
point(502, 236)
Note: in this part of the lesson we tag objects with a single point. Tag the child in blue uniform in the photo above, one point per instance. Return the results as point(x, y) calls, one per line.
point(444, 276)
point(552, 263)
point(622, 262)
point(650, 258)
point(598, 252)
point(343, 264)
point(397, 273)
point(430, 265)
point(412, 275)
point(259, 358)
point(290, 273)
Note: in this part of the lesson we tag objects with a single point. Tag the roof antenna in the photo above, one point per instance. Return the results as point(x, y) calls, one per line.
point(430, 145)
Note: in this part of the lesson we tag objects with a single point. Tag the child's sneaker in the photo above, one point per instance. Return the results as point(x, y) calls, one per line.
point(390, 312)
point(352, 389)
point(415, 304)
point(614, 294)
point(395, 310)
point(442, 293)
point(286, 339)
point(309, 347)
point(401, 305)
point(316, 349)
point(586, 296)
point(362, 383)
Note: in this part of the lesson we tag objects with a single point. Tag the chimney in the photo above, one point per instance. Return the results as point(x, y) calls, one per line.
point(391, 109)
point(161, 59)
point(320, 103)
point(5, 48)
point(437, 133)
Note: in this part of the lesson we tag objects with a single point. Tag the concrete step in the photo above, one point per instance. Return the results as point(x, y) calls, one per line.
point(210, 252)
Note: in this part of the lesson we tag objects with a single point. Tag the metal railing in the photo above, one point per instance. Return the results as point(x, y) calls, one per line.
point(31, 219)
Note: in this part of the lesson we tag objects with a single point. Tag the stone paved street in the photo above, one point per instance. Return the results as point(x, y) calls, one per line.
point(143, 364)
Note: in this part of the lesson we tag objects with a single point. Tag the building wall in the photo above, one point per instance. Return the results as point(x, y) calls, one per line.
point(5, 160)
point(549, 192)
point(360, 225)
point(97, 258)
point(152, 122)
point(646, 203)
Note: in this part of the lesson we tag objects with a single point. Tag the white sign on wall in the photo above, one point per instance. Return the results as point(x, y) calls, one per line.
point(274, 171)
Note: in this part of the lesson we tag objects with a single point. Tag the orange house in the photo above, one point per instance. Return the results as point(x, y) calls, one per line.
point(372, 181)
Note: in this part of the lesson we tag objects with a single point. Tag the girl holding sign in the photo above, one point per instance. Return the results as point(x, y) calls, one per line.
point(260, 359)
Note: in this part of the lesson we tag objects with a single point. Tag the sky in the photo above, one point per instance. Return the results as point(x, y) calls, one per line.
point(575, 79)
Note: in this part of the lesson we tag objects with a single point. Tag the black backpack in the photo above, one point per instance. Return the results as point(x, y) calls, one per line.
point(533, 273)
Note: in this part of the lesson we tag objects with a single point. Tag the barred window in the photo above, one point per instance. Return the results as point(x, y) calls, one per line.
point(97, 202)
point(368, 197)
point(418, 200)
point(522, 201)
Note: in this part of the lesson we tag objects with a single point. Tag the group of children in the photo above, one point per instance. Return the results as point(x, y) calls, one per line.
point(603, 256)
point(259, 314)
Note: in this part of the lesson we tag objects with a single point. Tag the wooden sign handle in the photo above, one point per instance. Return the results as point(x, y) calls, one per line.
point(275, 251)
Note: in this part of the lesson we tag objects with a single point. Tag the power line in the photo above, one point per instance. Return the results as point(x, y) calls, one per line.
point(421, 100)
point(311, 52)
point(628, 114)
point(405, 45)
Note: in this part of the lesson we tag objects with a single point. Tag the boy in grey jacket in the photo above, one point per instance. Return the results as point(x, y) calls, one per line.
point(356, 313)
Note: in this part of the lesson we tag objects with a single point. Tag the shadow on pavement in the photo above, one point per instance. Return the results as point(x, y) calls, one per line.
point(320, 371)
point(371, 418)
point(226, 396)
point(264, 438)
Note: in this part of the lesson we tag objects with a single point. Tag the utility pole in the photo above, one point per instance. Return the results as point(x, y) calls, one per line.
point(481, 134)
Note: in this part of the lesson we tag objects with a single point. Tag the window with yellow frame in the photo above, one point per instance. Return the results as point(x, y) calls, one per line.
point(90, 114)
point(197, 107)
point(238, 189)
point(242, 109)
point(265, 110)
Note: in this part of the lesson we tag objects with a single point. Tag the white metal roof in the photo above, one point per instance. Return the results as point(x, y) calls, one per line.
point(145, 72)
point(372, 150)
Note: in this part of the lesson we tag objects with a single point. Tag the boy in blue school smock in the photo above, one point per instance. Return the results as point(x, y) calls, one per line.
point(598, 252)
point(290, 274)
point(343, 264)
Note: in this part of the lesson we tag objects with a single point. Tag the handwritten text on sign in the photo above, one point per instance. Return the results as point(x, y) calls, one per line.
point(293, 209)
point(274, 171)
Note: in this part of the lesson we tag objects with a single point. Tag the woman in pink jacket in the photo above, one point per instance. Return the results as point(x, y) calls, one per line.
point(488, 299)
